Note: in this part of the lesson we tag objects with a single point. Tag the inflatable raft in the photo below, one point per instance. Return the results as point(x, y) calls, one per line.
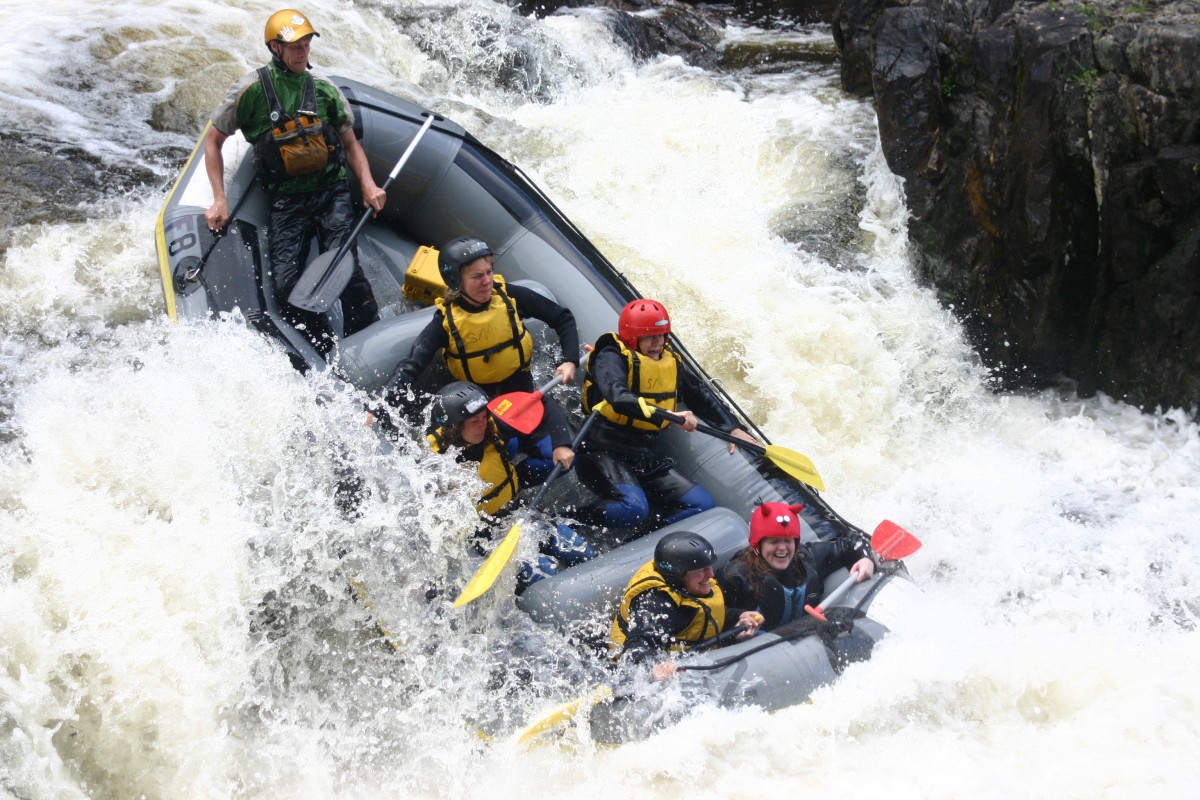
point(453, 185)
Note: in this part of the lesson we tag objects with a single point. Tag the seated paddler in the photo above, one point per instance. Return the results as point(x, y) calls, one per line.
point(479, 330)
point(462, 425)
point(778, 575)
point(673, 603)
point(636, 370)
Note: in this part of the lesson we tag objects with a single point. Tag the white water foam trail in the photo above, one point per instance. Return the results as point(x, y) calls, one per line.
point(173, 618)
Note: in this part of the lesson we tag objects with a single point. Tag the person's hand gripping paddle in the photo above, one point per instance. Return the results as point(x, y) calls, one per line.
point(324, 279)
point(891, 542)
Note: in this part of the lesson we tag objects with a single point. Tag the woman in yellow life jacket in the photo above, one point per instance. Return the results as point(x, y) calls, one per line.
point(673, 603)
point(506, 461)
point(619, 462)
point(479, 327)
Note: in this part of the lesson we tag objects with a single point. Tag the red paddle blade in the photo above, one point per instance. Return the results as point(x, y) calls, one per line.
point(893, 542)
point(521, 411)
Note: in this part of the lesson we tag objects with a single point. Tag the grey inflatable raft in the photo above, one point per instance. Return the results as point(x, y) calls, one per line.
point(771, 671)
point(453, 185)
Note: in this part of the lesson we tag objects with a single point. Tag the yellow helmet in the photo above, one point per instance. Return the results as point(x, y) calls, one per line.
point(288, 25)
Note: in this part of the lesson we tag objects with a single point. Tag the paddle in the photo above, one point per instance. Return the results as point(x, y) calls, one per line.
point(358, 591)
point(567, 711)
point(798, 465)
point(196, 272)
point(891, 542)
point(495, 563)
point(322, 281)
point(719, 639)
point(522, 411)
point(564, 713)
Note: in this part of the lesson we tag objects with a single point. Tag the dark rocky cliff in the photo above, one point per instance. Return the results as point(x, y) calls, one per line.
point(1051, 157)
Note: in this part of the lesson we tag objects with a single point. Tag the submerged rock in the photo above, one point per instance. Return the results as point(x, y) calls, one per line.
point(43, 181)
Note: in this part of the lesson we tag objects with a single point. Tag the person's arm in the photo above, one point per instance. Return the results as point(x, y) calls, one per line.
point(432, 339)
point(856, 556)
point(654, 620)
point(554, 424)
point(356, 159)
point(214, 165)
point(535, 305)
point(751, 621)
point(609, 368)
point(226, 120)
point(704, 404)
point(828, 556)
point(663, 670)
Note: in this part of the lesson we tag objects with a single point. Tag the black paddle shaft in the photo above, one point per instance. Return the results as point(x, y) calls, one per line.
point(558, 468)
point(711, 431)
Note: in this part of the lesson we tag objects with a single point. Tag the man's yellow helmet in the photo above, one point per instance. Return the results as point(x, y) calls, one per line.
point(288, 25)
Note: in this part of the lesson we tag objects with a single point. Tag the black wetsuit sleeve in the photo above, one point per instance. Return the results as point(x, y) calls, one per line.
point(432, 340)
point(734, 580)
point(654, 620)
point(554, 424)
point(828, 556)
point(701, 402)
point(612, 379)
point(533, 304)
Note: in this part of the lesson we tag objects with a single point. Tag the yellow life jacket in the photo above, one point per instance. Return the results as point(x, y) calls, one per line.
point(656, 381)
point(486, 346)
point(708, 621)
point(495, 468)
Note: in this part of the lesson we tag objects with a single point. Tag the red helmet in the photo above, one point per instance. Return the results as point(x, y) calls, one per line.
point(642, 318)
point(775, 520)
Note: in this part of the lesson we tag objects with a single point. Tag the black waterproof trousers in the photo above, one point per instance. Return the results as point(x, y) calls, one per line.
point(327, 214)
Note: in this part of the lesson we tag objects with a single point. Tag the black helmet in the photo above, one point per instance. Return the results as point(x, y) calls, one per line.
point(457, 401)
point(682, 551)
point(456, 254)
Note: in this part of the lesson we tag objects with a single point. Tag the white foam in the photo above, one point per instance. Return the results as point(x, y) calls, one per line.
point(165, 490)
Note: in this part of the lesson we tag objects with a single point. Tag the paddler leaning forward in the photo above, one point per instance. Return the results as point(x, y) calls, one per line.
point(673, 603)
point(462, 424)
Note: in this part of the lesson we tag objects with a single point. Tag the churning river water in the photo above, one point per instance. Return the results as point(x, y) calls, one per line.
point(173, 615)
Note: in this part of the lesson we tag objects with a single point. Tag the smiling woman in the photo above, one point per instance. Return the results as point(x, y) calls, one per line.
point(479, 328)
point(778, 575)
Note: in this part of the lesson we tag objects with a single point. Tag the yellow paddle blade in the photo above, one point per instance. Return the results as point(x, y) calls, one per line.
point(798, 465)
point(492, 567)
point(359, 590)
point(565, 713)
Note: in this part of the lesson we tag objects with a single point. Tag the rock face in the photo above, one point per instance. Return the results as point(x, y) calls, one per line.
point(650, 27)
point(1051, 157)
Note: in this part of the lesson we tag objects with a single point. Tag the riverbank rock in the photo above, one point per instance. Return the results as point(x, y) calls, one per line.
point(649, 27)
point(1051, 158)
point(51, 182)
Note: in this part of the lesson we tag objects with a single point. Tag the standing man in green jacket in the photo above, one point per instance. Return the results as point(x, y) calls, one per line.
point(302, 129)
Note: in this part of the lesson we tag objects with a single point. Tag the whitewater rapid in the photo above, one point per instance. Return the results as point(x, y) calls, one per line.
point(174, 620)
